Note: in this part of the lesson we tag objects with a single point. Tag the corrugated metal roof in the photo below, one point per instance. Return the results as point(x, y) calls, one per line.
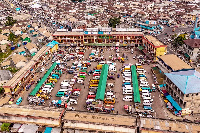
point(187, 81)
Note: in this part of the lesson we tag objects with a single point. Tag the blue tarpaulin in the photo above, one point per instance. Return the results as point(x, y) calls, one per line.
point(174, 103)
point(52, 44)
point(48, 130)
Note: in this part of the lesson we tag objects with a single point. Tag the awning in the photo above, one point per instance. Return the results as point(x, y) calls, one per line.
point(136, 93)
point(174, 103)
point(140, 47)
point(186, 55)
point(102, 83)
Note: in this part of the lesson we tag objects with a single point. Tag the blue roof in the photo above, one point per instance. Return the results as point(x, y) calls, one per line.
point(188, 81)
point(174, 103)
point(52, 44)
point(48, 130)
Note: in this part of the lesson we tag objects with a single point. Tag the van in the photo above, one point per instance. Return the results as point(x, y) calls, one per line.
point(126, 83)
point(148, 98)
point(60, 94)
point(145, 102)
point(96, 77)
point(47, 89)
point(102, 63)
point(94, 81)
point(144, 85)
point(127, 86)
point(145, 91)
point(146, 95)
point(91, 96)
point(137, 64)
point(93, 85)
point(52, 80)
point(109, 100)
point(127, 80)
point(64, 90)
point(127, 70)
point(139, 67)
point(112, 68)
point(110, 84)
point(110, 94)
point(128, 98)
point(127, 89)
point(142, 78)
point(144, 82)
point(128, 92)
point(96, 72)
point(80, 81)
point(126, 73)
point(141, 72)
point(72, 101)
point(147, 107)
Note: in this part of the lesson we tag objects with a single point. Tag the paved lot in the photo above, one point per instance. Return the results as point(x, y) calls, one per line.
point(157, 104)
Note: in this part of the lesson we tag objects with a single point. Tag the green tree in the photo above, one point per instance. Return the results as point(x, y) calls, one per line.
point(1, 89)
point(10, 21)
point(114, 21)
point(5, 127)
point(180, 39)
point(11, 36)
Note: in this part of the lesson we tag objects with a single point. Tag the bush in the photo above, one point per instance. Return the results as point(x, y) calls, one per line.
point(5, 127)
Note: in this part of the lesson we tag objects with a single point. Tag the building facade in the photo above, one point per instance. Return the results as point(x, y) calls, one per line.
point(191, 48)
point(96, 36)
point(184, 87)
point(153, 47)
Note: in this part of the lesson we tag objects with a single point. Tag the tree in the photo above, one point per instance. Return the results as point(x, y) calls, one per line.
point(5, 127)
point(0, 31)
point(11, 36)
point(114, 21)
point(180, 39)
point(1, 89)
point(10, 21)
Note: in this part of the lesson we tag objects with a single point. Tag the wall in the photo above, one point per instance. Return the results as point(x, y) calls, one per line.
point(161, 51)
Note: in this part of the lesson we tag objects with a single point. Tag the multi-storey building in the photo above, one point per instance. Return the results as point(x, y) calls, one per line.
point(191, 48)
point(95, 35)
point(170, 63)
point(153, 47)
point(184, 87)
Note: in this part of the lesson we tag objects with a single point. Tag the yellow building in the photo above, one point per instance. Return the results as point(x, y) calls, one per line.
point(154, 47)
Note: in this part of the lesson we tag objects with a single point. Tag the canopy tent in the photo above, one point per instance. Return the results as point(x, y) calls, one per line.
point(102, 83)
point(174, 103)
point(135, 85)
point(48, 130)
point(43, 79)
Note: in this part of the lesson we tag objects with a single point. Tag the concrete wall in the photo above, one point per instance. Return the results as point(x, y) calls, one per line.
point(22, 120)
point(98, 127)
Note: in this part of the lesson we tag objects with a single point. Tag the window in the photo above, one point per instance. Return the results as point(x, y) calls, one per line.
point(187, 95)
point(197, 94)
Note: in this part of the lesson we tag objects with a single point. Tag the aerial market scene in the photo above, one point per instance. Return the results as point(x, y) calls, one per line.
point(99, 66)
